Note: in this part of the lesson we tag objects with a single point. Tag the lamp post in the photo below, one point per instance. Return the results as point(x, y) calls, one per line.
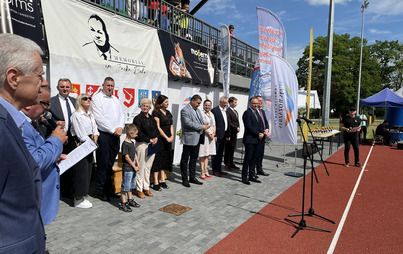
point(363, 7)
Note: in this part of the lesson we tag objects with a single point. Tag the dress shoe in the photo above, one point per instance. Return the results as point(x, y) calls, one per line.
point(223, 173)
point(262, 173)
point(104, 198)
point(114, 195)
point(246, 182)
point(228, 168)
point(234, 167)
point(195, 181)
point(186, 184)
point(254, 179)
point(217, 174)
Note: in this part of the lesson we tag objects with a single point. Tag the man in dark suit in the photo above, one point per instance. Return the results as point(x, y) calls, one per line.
point(221, 134)
point(233, 129)
point(252, 137)
point(261, 145)
point(21, 70)
point(62, 107)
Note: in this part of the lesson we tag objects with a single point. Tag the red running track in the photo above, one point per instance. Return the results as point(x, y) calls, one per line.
point(374, 222)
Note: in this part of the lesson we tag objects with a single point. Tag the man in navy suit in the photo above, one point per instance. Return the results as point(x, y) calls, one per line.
point(261, 145)
point(63, 105)
point(45, 153)
point(221, 134)
point(230, 145)
point(21, 70)
point(252, 137)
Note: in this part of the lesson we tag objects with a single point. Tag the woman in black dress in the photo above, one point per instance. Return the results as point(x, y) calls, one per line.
point(163, 158)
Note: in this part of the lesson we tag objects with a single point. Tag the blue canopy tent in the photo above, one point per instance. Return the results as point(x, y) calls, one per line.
point(385, 98)
point(391, 101)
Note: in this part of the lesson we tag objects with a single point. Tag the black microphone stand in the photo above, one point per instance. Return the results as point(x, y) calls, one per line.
point(302, 223)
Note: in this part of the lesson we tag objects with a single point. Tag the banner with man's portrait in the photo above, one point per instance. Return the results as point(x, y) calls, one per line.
point(87, 44)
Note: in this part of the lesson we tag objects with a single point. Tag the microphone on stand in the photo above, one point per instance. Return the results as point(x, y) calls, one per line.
point(48, 116)
point(307, 120)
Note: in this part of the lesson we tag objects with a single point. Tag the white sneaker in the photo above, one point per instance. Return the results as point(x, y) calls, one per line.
point(82, 203)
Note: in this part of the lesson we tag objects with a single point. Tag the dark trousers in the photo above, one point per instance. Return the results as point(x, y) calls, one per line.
point(217, 159)
point(351, 140)
point(249, 161)
point(229, 151)
point(82, 176)
point(259, 156)
point(66, 180)
point(108, 148)
point(189, 155)
point(364, 133)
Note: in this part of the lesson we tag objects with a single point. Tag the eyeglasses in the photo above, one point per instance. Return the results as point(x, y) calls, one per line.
point(86, 98)
point(45, 104)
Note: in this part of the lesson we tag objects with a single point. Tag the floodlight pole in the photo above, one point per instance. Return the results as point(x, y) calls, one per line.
point(363, 7)
point(328, 67)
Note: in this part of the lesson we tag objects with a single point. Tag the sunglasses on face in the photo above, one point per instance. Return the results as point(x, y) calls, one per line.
point(45, 104)
point(86, 98)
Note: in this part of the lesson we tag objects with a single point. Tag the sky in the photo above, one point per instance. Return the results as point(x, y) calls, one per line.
point(383, 19)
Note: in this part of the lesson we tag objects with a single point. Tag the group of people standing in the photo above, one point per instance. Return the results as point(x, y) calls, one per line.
point(210, 132)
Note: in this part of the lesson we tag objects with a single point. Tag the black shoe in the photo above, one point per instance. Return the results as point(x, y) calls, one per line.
point(256, 176)
point(133, 203)
point(358, 165)
point(185, 183)
point(246, 182)
point(262, 173)
point(113, 195)
point(234, 167)
point(254, 179)
point(124, 207)
point(164, 185)
point(223, 173)
point(105, 198)
point(195, 181)
point(157, 187)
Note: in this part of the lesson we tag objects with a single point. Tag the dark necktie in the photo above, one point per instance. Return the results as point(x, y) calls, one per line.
point(198, 116)
point(68, 111)
point(261, 116)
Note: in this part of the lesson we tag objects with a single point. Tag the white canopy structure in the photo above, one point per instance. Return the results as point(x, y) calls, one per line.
point(314, 100)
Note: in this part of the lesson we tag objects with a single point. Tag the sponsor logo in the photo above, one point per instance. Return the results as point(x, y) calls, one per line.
point(200, 55)
point(76, 88)
point(154, 96)
point(129, 94)
point(142, 95)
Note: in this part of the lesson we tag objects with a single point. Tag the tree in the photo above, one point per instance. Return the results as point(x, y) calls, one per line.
point(345, 70)
point(390, 58)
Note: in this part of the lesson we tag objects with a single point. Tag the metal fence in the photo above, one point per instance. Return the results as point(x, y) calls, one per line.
point(172, 19)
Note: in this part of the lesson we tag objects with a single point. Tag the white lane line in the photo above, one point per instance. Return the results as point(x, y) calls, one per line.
point(343, 218)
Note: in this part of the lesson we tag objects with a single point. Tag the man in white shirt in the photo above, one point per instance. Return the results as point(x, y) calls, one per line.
point(230, 145)
point(110, 120)
point(222, 134)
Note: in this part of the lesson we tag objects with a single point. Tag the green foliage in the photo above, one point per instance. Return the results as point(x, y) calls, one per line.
point(390, 57)
point(345, 70)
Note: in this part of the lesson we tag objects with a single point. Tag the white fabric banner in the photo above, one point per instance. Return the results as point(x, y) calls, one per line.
point(87, 44)
point(225, 59)
point(186, 94)
point(284, 97)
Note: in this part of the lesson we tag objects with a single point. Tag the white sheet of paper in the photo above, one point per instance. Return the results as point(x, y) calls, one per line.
point(77, 154)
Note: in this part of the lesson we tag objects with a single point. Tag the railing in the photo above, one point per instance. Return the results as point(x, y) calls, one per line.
point(168, 17)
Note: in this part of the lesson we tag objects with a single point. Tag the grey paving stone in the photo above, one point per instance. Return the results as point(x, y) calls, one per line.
point(218, 207)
